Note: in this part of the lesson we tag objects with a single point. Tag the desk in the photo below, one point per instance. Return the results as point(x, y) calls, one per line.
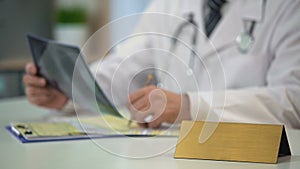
point(87, 154)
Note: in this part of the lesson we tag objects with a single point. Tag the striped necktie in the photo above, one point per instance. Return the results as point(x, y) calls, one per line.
point(212, 19)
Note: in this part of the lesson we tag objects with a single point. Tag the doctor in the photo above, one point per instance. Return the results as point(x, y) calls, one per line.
point(250, 50)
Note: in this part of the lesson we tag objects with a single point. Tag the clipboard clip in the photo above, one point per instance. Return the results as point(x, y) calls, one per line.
point(28, 131)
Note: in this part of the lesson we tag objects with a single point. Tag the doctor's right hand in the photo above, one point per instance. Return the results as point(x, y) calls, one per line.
point(39, 93)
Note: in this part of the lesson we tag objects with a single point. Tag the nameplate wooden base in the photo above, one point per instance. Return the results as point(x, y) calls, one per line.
point(262, 143)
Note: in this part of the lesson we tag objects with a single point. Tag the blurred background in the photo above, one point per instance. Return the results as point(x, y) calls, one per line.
point(68, 21)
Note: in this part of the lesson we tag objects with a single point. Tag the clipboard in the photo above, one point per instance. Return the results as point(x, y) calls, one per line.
point(24, 140)
point(106, 126)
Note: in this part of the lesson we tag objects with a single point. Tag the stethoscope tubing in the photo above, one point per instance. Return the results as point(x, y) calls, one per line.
point(244, 41)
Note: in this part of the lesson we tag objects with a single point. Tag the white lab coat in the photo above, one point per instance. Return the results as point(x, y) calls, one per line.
point(261, 86)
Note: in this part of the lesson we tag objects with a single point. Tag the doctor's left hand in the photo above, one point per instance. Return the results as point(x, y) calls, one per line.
point(160, 104)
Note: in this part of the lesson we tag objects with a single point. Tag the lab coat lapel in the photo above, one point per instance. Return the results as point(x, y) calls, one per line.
point(231, 25)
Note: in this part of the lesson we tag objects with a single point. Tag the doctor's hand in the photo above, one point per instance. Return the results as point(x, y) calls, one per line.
point(160, 104)
point(39, 93)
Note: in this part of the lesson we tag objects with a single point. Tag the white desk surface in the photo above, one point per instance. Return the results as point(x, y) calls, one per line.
point(101, 153)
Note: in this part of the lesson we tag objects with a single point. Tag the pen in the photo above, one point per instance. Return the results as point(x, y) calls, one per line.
point(149, 80)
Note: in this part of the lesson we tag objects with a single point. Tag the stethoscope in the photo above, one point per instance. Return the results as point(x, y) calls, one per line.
point(244, 41)
point(178, 31)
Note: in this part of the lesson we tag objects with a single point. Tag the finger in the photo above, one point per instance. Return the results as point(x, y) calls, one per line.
point(142, 104)
point(31, 68)
point(37, 91)
point(143, 125)
point(40, 100)
point(159, 116)
point(139, 116)
point(134, 110)
point(46, 97)
point(133, 97)
point(155, 122)
point(34, 80)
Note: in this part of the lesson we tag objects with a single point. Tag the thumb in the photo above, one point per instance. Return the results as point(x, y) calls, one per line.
point(31, 68)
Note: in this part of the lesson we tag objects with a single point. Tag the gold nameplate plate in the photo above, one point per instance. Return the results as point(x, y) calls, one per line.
point(233, 142)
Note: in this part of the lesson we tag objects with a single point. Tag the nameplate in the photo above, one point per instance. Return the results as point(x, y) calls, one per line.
point(262, 143)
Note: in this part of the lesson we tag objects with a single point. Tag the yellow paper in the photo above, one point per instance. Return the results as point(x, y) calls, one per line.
point(119, 125)
point(109, 122)
point(100, 125)
point(54, 129)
